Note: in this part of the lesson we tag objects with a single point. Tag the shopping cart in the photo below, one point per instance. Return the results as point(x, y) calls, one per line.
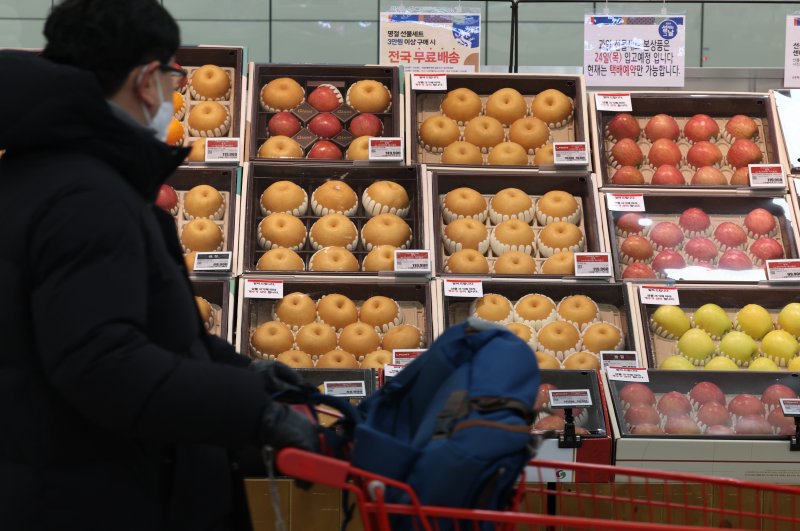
point(562, 496)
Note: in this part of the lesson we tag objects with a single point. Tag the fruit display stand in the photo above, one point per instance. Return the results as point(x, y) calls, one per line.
point(579, 185)
point(681, 236)
point(424, 104)
point(674, 139)
point(233, 60)
point(586, 305)
point(259, 176)
point(327, 133)
point(663, 424)
point(226, 180)
point(794, 190)
point(220, 294)
point(743, 327)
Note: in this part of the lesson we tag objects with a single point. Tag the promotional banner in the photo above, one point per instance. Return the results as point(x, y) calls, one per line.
point(634, 51)
point(431, 42)
point(791, 71)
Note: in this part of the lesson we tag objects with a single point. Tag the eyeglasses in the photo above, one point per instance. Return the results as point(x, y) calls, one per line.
point(173, 70)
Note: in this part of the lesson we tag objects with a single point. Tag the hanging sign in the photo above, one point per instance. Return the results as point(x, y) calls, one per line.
point(791, 57)
point(431, 42)
point(634, 51)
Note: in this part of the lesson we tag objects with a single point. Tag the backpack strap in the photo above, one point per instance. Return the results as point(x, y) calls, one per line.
point(457, 406)
point(495, 403)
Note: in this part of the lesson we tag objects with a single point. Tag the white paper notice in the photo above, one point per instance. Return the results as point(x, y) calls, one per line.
point(390, 370)
point(613, 101)
point(791, 70)
point(767, 176)
point(263, 289)
point(627, 374)
point(463, 288)
point(428, 81)
point(592, 264)
point(634, 51)
point(386, 149)
point(783, 270)
point(625, 202)
point(660, 295)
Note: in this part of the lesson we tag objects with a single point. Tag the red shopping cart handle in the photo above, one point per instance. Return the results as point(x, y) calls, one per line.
point(315, 468)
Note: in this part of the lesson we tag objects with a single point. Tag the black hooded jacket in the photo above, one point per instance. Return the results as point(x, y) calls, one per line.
point(115, 405)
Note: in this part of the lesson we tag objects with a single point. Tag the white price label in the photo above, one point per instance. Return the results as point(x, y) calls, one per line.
point(222, 150)
point(575, 153)
point(625, 202)
point(618, 358)
point(592, 265)
point(628, 374)
point(386, 148)
point(790, 407)
point(463, 288)
point(428, 81)
point(390, 370)
point(783, 270)
point(767, 176)
point(615, 102)
point(661, 295)
point(406, 355)
point(349, 389)
point(564, 398)
point(213, 261)
point(412, 261)
point(263, 289)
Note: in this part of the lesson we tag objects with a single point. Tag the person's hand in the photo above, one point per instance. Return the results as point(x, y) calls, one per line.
point(281, 426)
point(280, 378)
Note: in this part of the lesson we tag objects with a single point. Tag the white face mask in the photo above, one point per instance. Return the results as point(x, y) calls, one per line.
point(160, 122)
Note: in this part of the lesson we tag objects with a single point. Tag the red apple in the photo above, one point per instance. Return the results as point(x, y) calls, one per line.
point(735, 260)
point(777, 419)
point(681, 425)
point(662, 126)
point(641, 414)
point(694, 220)
point(325, 125)
point(637, 393)
point(627, 175)
point(167, 198)
point(714, 414)
point(700, 248)
point(548, 423)
point(647, 429)
point(324, 149)
point(638, 270)
point(543, 396)
point(636, 249)
point(772, 395)
point(744, 152)
point(703, 154)
point(708, 176)
point(759, 222)
point(668, 260)
point(730, 234)
point(745, 404)
point(741, 126)
point(667, 175)
point(664, 151)
point(701, 127)
point(283, 123)
point(624, 125)
point(753, 425)
point(741, 177)
point(627, 153)
point(674, 403)
point(666, 235)
point(720, 430)
point(704, 392)
point(366, 125)
point(325, 99)
point(766, 249)
point(630, 223)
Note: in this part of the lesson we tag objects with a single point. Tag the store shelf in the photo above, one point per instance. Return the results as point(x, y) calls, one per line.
point(220, 294)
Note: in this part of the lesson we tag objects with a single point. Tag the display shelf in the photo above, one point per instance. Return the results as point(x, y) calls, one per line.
point(220, 295)
point(613, 302)
point(232, 60)
point(424, 104)
point(755, 451)
point(414, 298)
point(579, 185)
point(342, 77)
point(682, 106)
point(662, 332)
point(259, 176)
point(226, 181)
point(707, 258)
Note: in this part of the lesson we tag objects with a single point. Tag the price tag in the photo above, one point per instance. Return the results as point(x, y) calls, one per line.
point(213, 261)
point(386, 148)
point(625, 202)
point(463, 288)
point(428, 81)
point(573, 153)
point(564, 398)
point(263, 289)
point(790, 407)
point(767, 176)
point(618, 358)
point(592, 265)
point(391, 370)
point(616, 101)
point(783, 270)
point(351, 389)
point(406, 355)
point(222, 150)
point(628, 374)
point(412, 261)
point(661, 295)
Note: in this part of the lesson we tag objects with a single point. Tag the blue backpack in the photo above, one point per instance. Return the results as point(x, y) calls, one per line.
point(455, 423)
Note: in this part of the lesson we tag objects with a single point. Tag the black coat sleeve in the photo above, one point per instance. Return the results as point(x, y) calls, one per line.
point(223, 352)
point(89, 312)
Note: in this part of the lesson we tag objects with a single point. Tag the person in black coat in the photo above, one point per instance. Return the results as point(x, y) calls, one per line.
point(117, 409)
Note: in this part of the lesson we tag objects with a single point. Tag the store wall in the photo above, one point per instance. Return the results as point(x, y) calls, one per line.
point(346, 31)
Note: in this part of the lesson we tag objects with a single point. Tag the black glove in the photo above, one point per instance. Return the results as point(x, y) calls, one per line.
point(281, 426)
point(280, 378)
